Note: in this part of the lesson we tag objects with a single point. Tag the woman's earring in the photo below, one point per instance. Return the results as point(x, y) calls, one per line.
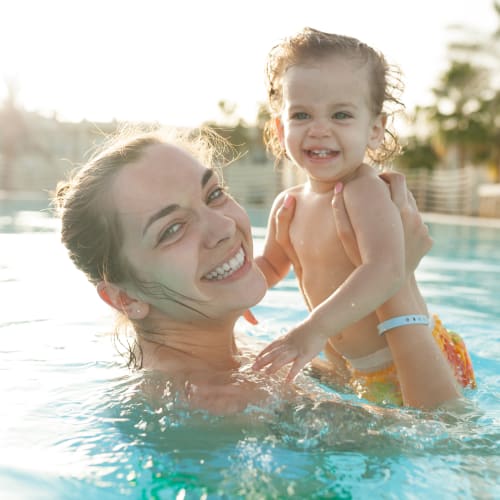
point(137, 310)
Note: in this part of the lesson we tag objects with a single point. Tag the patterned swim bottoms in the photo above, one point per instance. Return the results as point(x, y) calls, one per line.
point(383, 386)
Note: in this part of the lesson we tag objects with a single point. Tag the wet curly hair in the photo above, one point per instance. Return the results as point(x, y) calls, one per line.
point(309, 44)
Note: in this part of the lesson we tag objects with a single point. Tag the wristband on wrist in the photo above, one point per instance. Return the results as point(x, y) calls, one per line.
point(411, 319)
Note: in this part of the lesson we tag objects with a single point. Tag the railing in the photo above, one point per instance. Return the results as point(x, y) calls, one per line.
point(253, 184)
point(447, 191)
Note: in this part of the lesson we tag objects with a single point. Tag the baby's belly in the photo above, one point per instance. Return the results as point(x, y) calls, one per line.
point(318, 284)
point(359, 339)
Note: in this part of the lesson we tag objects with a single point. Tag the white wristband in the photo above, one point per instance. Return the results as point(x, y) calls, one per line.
point(411, 319)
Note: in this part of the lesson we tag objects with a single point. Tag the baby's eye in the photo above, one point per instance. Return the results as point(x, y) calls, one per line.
point(300, 115)
point(341, 115)
point(217, 194)
point(170, 231)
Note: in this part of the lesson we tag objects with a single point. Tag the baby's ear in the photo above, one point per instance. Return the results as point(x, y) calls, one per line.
point(117, 298)
point(280, 131)
point(377, 131)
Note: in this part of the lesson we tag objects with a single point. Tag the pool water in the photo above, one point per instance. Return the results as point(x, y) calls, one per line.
point(75, 423)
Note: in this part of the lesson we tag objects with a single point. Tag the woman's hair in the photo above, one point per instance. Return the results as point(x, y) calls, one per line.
point(91, 229)
point(309, 44)
point(90, 226)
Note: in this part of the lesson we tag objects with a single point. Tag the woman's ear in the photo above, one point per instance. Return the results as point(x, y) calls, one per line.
point(377, 131)
point(114, 296)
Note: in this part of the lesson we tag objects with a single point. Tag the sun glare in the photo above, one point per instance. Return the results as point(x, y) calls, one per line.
point(148, 61)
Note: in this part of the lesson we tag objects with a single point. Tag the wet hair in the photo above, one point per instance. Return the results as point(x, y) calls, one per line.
point(90, 226)
point(308, 45)
point(91, 229)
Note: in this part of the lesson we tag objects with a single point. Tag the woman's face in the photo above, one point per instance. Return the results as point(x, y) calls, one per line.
point(183, 231)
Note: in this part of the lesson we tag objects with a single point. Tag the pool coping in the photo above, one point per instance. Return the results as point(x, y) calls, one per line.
point(463, 220)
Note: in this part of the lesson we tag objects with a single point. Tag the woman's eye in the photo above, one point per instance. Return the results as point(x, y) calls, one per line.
point(300, 115)
point(218, 193)
point(171, 231)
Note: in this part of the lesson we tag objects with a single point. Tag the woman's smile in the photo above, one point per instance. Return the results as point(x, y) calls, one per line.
point(228, 268)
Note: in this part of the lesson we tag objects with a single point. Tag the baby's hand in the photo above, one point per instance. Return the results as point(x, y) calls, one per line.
point(298, 346)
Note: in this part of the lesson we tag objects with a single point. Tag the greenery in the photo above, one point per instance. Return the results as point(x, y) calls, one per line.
point(464, 118)
point(461, 127)
point(245, 139)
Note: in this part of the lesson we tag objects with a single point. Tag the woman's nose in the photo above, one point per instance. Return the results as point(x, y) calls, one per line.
point(218, 228)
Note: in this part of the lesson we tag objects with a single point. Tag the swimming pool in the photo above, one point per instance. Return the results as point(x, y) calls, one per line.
point(74, 422)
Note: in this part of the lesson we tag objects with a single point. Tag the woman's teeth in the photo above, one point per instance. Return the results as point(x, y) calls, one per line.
point(228, 268)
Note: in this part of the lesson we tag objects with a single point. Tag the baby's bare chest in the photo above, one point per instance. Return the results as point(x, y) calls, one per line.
point(314, 237)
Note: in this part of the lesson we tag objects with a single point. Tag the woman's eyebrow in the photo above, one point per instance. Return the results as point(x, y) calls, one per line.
point(174, 206)
point(158, 215)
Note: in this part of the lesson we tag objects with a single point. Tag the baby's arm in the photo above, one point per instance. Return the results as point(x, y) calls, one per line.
point(274, 262)
point(278, 252)
point(424, 373)
point(425, 376)
point(379, 234)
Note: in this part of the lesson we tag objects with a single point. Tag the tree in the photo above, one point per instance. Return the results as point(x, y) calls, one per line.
point(460, 115)
point(485, 127)
point(243, 138)
point(418, 153)
point(465, 116)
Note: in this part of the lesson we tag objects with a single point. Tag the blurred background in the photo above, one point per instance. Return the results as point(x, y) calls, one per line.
point(72, 71)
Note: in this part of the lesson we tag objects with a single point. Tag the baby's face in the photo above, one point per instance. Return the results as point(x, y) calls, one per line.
point(326, 124)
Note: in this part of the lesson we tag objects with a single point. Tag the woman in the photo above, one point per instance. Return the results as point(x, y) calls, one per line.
point(151, 225)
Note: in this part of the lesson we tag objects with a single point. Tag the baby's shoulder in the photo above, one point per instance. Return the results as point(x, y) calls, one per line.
point(365, 183)
point(295, 191)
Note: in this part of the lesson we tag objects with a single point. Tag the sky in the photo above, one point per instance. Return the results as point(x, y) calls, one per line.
point(171, 62)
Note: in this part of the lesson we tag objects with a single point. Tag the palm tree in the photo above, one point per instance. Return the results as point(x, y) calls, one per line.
point(475, 94)
point(460, 116)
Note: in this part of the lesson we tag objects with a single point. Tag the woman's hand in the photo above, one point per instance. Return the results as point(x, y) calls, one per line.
point(417, 239)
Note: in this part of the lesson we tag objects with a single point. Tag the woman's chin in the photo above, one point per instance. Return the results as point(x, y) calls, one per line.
point(255, 289)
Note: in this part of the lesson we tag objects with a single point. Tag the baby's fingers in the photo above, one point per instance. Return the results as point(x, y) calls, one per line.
point(273, 346)
point(279, 361)
point(274, 357)
point(294, 370)
point(266, 357)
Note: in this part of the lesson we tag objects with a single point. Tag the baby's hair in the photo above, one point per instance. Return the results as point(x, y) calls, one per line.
point(309, 44)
